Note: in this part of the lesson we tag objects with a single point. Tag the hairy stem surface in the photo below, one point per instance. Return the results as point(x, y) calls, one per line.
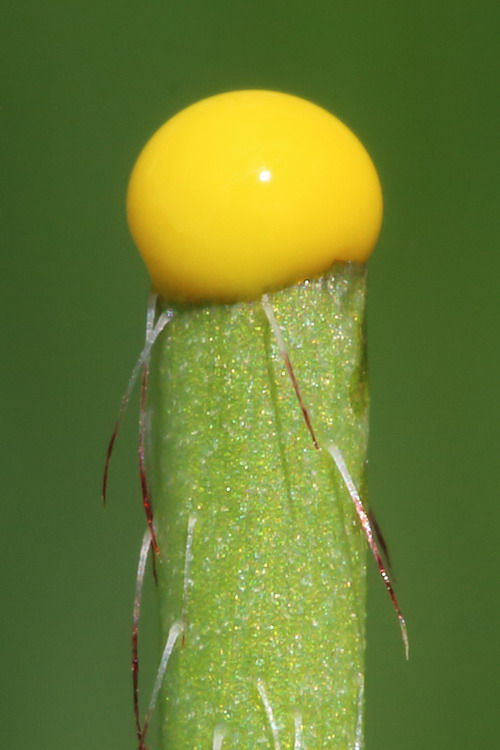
point(262, 557)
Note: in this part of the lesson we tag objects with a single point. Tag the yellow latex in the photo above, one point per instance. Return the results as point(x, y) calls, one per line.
point(250, 191)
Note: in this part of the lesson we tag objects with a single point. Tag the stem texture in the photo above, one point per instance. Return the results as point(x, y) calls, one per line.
point(262, 557)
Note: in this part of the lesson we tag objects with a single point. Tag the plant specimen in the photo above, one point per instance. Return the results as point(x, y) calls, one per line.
point(255, 212)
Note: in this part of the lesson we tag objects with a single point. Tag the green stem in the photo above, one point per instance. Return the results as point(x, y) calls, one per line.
point(271, 597)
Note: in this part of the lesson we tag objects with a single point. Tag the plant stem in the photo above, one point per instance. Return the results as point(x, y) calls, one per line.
point(262, 557)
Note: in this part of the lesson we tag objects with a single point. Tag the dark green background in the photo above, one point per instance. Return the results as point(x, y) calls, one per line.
point(84, 85)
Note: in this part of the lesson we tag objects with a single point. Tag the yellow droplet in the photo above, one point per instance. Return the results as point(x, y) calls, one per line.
point(251, 191)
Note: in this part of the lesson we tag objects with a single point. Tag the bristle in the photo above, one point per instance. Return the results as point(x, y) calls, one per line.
point(218, 738)
point(269, 713)
point(173, 634)
point(187, 564)
point(146, 497)
point(358, 744)
point(268, 309)
point(384, 549)
point(151, 337)
point(139, 581)
point(297, 720)
point(370, 536)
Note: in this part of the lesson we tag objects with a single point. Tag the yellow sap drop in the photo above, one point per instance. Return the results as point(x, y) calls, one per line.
point(248, 192)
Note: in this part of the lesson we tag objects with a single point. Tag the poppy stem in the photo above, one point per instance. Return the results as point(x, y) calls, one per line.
point(269, 584)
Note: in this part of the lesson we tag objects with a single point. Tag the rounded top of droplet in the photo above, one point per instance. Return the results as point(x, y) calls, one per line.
point(250, 191)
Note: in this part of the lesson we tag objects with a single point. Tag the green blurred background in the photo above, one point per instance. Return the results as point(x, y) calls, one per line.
point(84, 85)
